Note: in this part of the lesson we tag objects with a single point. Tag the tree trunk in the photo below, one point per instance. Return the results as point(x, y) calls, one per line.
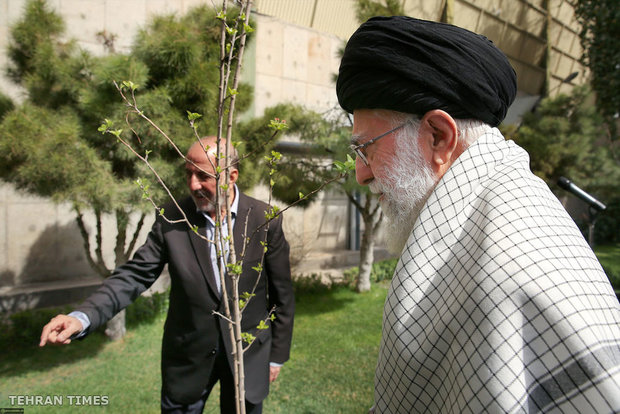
point(366, 257)
point(115, 328)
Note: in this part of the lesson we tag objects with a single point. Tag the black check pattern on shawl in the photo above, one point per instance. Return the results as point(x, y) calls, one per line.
point(498, 304)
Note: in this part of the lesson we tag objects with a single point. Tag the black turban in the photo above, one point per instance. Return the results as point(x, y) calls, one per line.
point(414, 66)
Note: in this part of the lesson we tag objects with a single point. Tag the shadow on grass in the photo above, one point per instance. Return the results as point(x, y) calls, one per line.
point(321, 300)
point(20, 334)
point(29, 357)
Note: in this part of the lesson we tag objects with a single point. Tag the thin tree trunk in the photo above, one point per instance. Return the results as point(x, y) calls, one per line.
point(115, 327)
point(367, 248)
point(366, 257)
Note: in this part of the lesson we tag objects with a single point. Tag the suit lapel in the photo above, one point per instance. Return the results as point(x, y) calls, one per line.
point(240, 227)
point(201, 247)
point(238, 231)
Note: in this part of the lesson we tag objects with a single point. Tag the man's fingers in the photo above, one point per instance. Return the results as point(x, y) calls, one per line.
point(47, 332)
point(44, 335)
point(59, 330)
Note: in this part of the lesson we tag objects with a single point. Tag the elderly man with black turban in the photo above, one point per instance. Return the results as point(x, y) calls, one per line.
point(497, 303)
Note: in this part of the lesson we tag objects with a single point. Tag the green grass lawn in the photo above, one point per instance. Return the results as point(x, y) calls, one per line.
point(335, 347)
point(609, 256)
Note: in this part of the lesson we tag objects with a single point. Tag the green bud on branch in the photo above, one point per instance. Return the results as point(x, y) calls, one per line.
point(234, 268)
point(192, 116)
point(345, 167)
point(277, 124)
point(247, 337)
point(130, 85)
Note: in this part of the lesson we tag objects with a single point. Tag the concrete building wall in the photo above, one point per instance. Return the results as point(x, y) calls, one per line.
point(536, 35)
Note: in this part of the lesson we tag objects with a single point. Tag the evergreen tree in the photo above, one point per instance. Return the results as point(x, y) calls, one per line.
point(567, 137)
point(600, 31)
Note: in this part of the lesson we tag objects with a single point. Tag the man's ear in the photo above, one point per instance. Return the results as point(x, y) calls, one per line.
point(233, 175)
point(442, 136)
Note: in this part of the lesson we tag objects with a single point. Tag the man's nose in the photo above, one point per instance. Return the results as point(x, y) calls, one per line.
point(363, 173)
point(193, 183)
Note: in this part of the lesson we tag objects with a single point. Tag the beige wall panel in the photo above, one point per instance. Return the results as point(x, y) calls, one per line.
point(84, 24)
point(565, 65)
point(294, 91)
point(562, 10)
point(337, 17)
point(423, 9)
point(553, 62)
point(295, 45)
point(564, 40)
point(267, 92)
point(513, 14)
point(555, 34)
point(23, 231)
point(319, 97)
point(268, 41)
point(497, 32)
point(467, 17)
point(297, 11)
point(529, 80)
point(533, 51)
point(337, 46)
point(483, 4)
point(124, 24)
point(155, 7)
point(178, 7)
point(319, 59)
point(512, 41)
point(533, 21)
point(576, 50)
point(10, 11)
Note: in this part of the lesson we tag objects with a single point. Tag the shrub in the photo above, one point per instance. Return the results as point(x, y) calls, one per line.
point(381, 270)
point(310, 284)
point(23, 329)
point(614, 278)
point(607, 228)
point(148, 308)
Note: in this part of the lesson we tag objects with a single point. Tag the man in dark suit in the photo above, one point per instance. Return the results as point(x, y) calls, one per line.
point(196, 349)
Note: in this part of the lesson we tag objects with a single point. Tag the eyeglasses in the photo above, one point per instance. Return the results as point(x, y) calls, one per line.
point(359, 149)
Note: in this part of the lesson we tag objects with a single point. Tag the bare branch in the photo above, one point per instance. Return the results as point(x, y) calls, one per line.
point(102, 270)
point(136, 233)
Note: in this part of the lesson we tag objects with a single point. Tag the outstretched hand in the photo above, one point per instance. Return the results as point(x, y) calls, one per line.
point(59, 330)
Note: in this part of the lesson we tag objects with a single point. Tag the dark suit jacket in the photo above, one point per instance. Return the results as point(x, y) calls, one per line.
point(192, 331)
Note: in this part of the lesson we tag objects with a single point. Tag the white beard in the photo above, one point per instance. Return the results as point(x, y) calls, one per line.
point(407, 184)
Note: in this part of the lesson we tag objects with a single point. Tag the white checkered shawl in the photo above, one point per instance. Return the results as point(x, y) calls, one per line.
point(498, 304)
